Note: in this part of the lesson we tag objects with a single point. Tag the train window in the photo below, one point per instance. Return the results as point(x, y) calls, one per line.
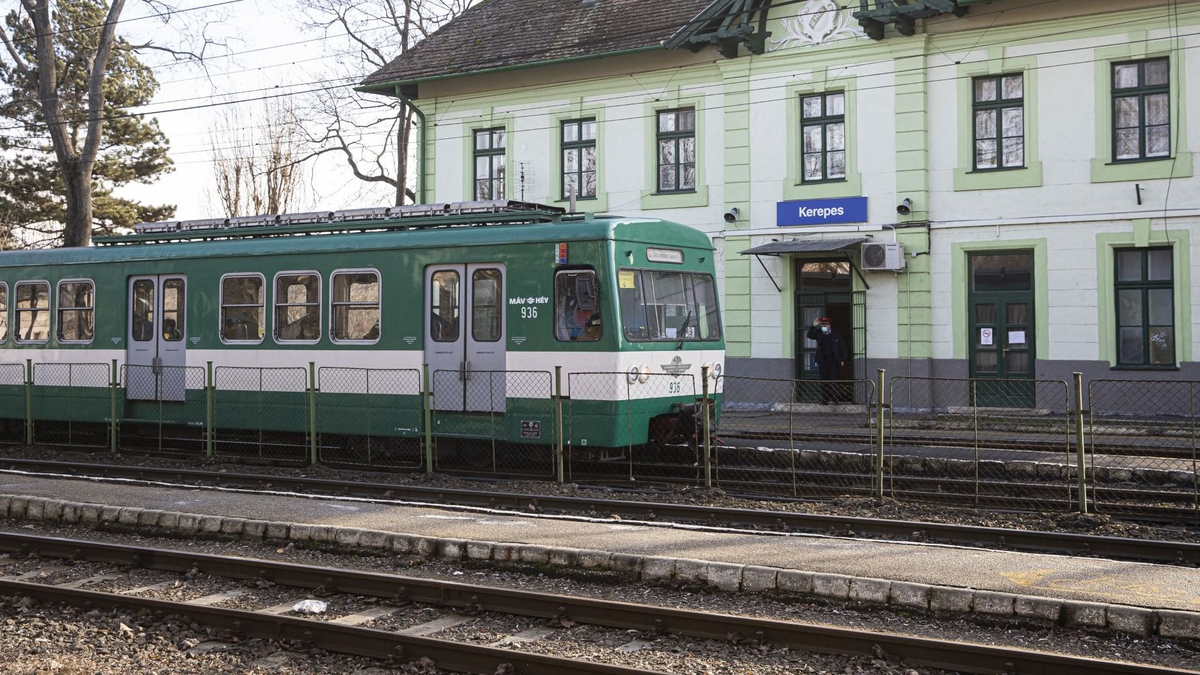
point(668, 306)
point(485, 305)
point(76, 311)
point(443, 306)
point(143, 310)
point(33, 312)
point(707, 316)
point(355, 303)
point(3, 312)
point(242, 308)
point(174, 303)
point(297, 307)
point(577, 306)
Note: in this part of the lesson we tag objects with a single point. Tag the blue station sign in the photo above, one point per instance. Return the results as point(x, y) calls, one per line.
point(821, 212)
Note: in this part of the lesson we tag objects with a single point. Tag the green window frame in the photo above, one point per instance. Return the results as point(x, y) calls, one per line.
point(579, 169)
point(676, 150)
point(1141, 110)
point(3, 312)
point(489, 163)
point(823, 137)
point(1145, 306)
point(998, 113)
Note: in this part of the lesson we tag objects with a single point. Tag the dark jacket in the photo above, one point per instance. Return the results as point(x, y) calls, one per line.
point(831, 348)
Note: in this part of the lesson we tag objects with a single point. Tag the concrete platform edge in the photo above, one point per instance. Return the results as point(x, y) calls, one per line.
point(651, 569)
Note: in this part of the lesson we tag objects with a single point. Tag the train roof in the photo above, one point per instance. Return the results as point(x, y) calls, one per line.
point(372, 235)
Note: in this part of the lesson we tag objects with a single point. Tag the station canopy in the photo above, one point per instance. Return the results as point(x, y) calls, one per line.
point(804, 246)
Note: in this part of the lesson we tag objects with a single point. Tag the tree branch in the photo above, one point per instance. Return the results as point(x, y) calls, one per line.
point(12, 51)
point(96, 75)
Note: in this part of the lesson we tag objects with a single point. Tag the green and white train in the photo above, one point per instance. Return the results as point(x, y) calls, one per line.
point(477, 292)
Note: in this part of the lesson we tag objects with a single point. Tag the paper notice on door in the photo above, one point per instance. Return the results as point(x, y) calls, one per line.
point(625, 279)
point(1016, 337)
point(985, 337)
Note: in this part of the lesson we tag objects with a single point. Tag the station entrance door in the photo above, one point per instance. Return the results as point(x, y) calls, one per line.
point(465, 336)
point(826, 288)
point(156, 340)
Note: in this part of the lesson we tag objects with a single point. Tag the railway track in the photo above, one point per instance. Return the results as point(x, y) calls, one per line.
point(1148, 550)
point(398, 595)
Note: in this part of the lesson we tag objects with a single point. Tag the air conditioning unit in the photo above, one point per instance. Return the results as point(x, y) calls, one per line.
point(887, 256)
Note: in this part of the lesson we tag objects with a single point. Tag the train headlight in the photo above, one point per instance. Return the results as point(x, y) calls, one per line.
point(645, 376)
point(633, 374)
point(716, 370)
point(707, 367)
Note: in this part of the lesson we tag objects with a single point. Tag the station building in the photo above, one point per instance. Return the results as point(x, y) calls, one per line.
point(994, 189)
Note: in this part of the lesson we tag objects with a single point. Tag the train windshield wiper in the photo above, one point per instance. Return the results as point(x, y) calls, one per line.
point(683, 329)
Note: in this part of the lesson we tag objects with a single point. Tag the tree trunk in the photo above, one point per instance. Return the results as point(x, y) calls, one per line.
point(402, 153)
point(78, 230)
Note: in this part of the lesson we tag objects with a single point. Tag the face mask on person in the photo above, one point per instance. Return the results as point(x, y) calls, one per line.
point(825, 330)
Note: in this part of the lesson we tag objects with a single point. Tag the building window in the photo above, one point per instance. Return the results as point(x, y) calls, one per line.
point(297, 307)
point(677, 150)
point(242, 308)
point(577, 306)
point(33, 312)
point(823, 128)
point(3, 312)
point(1145, 307)
point(489, 164)
point(999, 112)
point(76, 311)
point(356, 306)
point(1141, 110)
point(579, 158)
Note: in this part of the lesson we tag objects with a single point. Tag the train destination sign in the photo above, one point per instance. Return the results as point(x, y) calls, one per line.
point(811, 212)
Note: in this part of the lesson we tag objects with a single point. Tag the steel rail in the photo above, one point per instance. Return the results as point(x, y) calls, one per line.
point(951, 655)
point(368, 642)
point(1151, 550)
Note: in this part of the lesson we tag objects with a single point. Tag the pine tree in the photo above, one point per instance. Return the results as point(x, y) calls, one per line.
point(69, 142)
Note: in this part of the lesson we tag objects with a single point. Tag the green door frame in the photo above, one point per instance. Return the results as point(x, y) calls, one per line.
point(1009, 335)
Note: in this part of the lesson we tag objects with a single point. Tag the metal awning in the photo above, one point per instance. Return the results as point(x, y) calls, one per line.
point(803, 246)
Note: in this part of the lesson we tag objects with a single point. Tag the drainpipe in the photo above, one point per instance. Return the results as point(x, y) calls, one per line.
point(420, 146)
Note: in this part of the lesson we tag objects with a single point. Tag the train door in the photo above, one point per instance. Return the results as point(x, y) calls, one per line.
point(465, 336)
point(156, 350)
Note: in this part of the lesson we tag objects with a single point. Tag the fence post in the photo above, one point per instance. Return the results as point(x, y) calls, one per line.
point(28, 401)
point(558, 445)
point(112, 426)
point(210, 431)
point(880, 405)
point(427, 404)
point(312, 413)
point(1080, 472)
point(707, 429)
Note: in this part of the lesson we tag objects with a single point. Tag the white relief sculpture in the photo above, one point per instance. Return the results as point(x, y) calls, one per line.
point(817, 22)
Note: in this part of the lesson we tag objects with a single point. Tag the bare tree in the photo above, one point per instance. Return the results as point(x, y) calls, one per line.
point(68, 69)
point(256, 162)
point(372, 134)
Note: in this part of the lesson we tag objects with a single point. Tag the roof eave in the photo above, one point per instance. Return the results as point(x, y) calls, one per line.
point(388, 87)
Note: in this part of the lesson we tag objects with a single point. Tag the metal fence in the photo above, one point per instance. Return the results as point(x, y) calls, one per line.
point(628, 427)
point(1116, 445)
point(795, 438)
point(494, 422)
point(13, 413)
point(73, 404)
point(263, 413)
point(1006, 443)
point(165, 409)
point(370, 417)
point(1142, 437)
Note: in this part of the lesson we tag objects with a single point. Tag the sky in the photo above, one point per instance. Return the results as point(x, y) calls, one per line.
point(268, 53)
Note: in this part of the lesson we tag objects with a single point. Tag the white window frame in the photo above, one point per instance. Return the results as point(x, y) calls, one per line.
point(221, 306)
point(332, 329)
point(6, 312)
point(59, 308)
point(275, 306)
point(49, 308)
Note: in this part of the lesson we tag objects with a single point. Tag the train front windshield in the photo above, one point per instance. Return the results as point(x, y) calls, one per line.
point(668, 306)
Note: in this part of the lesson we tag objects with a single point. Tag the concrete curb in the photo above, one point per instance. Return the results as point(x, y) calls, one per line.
point(728, 577)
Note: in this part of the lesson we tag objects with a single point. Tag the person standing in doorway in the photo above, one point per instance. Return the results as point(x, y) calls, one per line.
point(831, 356)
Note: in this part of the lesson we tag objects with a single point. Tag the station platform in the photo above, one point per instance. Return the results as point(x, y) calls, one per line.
point(1127, 596)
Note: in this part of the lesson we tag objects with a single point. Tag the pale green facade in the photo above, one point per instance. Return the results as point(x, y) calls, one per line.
point(1066, 212)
